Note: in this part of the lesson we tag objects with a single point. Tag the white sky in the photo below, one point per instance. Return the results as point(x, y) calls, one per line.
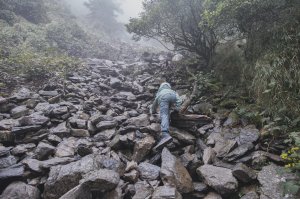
point(131, 8)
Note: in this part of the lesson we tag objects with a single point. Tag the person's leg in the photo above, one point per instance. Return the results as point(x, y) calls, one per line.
point(164, 116)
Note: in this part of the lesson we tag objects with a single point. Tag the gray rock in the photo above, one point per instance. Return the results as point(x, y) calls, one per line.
point(80, 133)
point(62, 178)
point(6, 137)
point(220, 179)
point(22, 149)
point(66, 148)
point(222, 148)
point(142, 190)
point(200, 187)
point(7, 161)
point(212, 195)
point(55, 161)
point(22, 95)
point(208, 155)
point(19, 111)
point(60, 130)
point(58, 111)
point(8, 124)
point(250, 195)
point(182, 136)
point(45, 108)
point(239, 152)
point(101, 180)
point(248, 134)
point(173, 173)
point(48, 93)
point(78, 192)
point(243, 173)
point(131, 176)
point(54, 139)
point(4, 151)
point(166, 192)
point(271, 177)
point(232, 120)
point(105, 135)
point(106, 125)
point(148, 171)
point(15, 171)
point(43, 150)
point(140, 121)
point(34, 119)
point(142, 148)
point(18, 190)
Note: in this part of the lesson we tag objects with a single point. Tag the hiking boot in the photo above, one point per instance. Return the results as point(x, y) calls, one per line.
point(165, 139)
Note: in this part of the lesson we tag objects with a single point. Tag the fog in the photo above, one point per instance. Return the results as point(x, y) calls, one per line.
point(130, 8)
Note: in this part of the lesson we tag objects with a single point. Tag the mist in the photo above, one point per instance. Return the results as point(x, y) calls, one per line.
point(130, 8)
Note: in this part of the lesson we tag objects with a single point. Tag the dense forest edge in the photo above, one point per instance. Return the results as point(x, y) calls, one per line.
point(239, 54)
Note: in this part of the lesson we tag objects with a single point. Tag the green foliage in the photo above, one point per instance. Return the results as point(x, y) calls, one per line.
point(32, 10)
point(271, 29)
point(175, 22)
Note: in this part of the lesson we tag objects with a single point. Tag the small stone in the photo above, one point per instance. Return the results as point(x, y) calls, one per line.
point(43, 150)
point(19, 111)
point(243, 173)
point(132, 176)
point(212, 195)
point(142, 148)
point(208, 155)
point(166, 192)
point(20, 190)
point(80, 133)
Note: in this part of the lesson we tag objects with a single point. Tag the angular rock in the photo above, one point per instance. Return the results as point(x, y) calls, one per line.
point(83, 150)
point(22, 94)
point(34, 119)
point(43, 150)
point(78, 192)
point(182, 136)
point(148, 171)
point(106, 125)
point(222, 148)
point(212, 195)
point(140, 121)
point(173, 173)
point(132, 176)
point(14, 171)
point(8, 124)
point(208, 155)
point(22, 148)
point(4, 151)
point(248, 134)
point(48, 93)
point(19, 111)
point(142, 148)
point(200, 187)
point(20, 190)
point(105, 135)
point(80, 133)
point(243, 173)
point(142, 190)
point(239, 152)
point(250, 195)
point(6, 137)
point(101, 180)
point(61, 130)
point(63, 178)
point(166, 192)
point(66, 148)
point(7, 161)
point(220, 179)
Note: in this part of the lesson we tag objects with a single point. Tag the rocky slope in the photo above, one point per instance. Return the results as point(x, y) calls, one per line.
point(92, 137)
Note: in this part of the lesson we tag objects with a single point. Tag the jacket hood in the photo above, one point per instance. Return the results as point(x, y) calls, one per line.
point(164, 86)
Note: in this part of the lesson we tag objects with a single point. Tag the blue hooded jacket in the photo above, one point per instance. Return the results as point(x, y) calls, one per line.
point(165, 88)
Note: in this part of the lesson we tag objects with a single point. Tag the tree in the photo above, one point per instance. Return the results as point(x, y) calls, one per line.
point(103, 14)
point(175, 22)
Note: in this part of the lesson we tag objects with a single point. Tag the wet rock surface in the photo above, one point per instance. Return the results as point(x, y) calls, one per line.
point(95, 140)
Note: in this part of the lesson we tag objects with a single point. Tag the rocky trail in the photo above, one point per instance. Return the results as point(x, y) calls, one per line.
point(91, 136)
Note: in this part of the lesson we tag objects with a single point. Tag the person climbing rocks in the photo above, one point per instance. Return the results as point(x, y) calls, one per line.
point(165, 98)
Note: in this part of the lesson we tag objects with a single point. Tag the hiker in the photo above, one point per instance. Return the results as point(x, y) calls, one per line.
point(165, 98)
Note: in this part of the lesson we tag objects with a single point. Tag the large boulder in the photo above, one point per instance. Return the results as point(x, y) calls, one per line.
point(102, 180)
point(142, 148)
point(140, 121)
point(173, 173)
point(62, 178)
point(221, 179)
point(18, 190)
